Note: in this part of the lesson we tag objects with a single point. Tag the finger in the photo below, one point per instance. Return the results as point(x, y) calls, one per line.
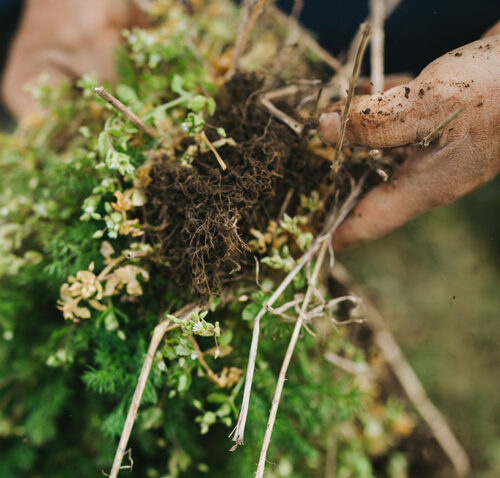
point(364, 86)
point(402, 115)
point(18, 100)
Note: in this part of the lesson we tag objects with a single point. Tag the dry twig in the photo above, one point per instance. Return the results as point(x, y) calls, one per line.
point(435, 133)
point(377, 17)
point(158, 334)
point(286, 362)
point(365, 35)
point(347, 365)
point(307, 40)
point(335, 220)
point(222, 164)
point(292, 38)
point(341, 79)
point(266, 98)
point(125, 111)
point(251, 11)
point(331, 454)
point(212, 376)
point(390, 6)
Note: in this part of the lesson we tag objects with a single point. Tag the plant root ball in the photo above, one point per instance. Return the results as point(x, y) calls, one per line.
point(199, 216)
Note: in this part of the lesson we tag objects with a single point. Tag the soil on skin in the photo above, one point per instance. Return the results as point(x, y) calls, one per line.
point(200, 216)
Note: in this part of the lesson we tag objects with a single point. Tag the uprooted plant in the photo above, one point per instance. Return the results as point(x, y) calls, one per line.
point(194, 200)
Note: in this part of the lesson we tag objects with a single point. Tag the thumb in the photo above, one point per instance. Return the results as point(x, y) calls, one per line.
point(400, 116)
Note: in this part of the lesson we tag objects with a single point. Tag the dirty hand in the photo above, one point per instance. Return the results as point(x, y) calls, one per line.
point(464, 158)
point(64, 38)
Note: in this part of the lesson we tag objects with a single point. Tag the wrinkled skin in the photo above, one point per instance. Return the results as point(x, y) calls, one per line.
point(465, 156)
point(64, 38)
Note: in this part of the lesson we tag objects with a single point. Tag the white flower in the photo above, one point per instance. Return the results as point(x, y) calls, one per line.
point(154, 60)
point(149, 40)
point(8, 335)
point(41, 209)
point(197, 327)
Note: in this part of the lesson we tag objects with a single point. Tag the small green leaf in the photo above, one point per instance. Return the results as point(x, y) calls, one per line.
point(177, 84)
point(151, 418)
point(184, 382)
point(210, 106)
point(197, 103)
point(217, 398)
point(182, 350)
point(250, 311)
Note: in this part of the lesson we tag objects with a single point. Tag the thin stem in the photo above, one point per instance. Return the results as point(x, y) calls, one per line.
point(365, 35)
point(238, 433)
point(332, 222)
point(266, 98)
point(298, 6)
point(347, 365)
point(286, 362)
point(210, 373)
point(164, 107)
point(377, 17)
point(125, 111)
point(222, 164)
point(390, 6)
point(251, 11)
point(292, 38)
point(307, 40)
point(434, 134)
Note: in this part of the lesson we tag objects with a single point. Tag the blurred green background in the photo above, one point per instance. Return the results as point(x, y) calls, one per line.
point(437, 282)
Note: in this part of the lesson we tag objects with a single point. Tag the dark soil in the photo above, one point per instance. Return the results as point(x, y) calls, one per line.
point(200, 216)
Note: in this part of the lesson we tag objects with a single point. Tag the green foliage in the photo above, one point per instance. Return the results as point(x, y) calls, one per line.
point(65, 387)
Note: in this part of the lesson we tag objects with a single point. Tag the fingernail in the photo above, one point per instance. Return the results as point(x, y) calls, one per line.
point(329, 127)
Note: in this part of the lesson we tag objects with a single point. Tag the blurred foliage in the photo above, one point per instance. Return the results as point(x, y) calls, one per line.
point(71, 238)
point(436, 281)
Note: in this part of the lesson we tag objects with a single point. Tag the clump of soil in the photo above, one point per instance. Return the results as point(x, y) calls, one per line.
point(201, 215)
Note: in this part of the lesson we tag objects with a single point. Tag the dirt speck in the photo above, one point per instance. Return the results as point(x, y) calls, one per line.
point(421, 92)
point(458, 53)
point(367, 111)
point(407, 92)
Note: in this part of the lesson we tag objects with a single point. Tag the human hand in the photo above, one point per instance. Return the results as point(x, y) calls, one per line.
point(64, 38)
point(464, 158)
